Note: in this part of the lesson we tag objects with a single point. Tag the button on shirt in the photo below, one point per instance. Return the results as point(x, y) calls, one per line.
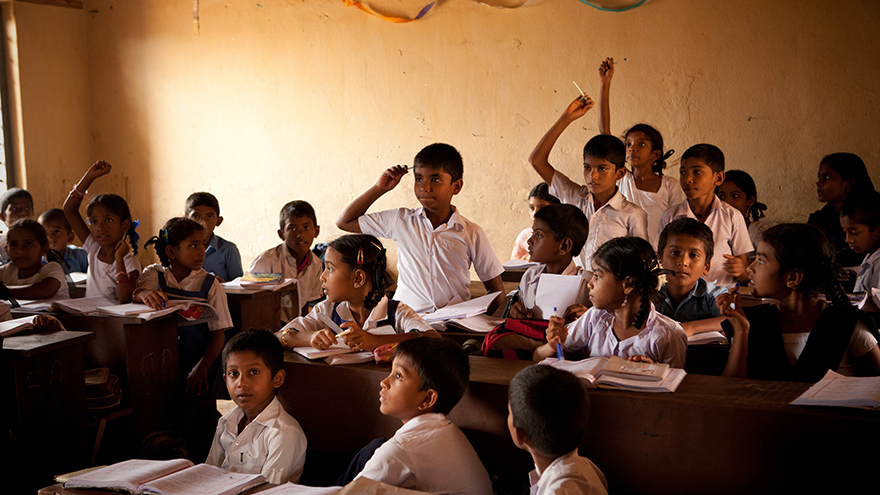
point(616, 218)
point(869, 273)
point(434, 264)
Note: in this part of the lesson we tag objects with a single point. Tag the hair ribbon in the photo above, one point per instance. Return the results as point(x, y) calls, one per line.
point(360, 258)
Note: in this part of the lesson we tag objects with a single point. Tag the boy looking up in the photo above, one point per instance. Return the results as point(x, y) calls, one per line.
point(860, 219)
point(15, 204)
point(294, 258)
point(436, 245)
point(701, 171)
point(686, 247)
point(258, 436)
point(547, 417)
point(428, 453)
point(609, 213)
point(60, 236)
point(221, 256)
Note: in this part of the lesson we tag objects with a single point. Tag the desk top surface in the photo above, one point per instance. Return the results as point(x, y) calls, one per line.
point(38, 343)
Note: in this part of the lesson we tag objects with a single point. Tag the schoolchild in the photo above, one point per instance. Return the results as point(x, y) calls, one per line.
point(60, 236)
point(222, 257)
point(539, 197)
point(860, 219)
point(113, 267)
point(26, 275)
point(15, 204)
point(436, 244)
point(739, 191)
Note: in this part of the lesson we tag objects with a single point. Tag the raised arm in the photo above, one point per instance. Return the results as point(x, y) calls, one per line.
point(348, 220)
point(606, 72)
point(541, 154)
point(74, 199)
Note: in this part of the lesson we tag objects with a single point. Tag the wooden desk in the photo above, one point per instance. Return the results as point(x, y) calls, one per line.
point(714, 435)
point(255, 308)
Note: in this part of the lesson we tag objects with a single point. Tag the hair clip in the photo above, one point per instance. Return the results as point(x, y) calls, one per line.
point(360, 258)
point(163, 233)
point(133, 233)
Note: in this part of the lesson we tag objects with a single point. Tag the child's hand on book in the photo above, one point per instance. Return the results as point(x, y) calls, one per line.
point(638, 358)
point(155, 299)
point(357, 338)
point(391, 177)
point(323, 339)
point(556, 331)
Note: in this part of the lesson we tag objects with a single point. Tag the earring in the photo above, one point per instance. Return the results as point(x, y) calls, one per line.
point(625, 303)
point(790, 284)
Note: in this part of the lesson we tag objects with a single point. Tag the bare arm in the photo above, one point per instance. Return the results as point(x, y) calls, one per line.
point(702, 326)
point(44, 289)
point(74, 199)
point(494, 285)
point(348, 220)
point(606, 72)
point(541, 154)
point(737, 360)
point(125, 281)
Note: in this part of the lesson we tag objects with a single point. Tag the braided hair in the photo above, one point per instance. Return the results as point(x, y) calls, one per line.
point(365, 252)
point(633, 257)
point(118, 206)
point(174, 232)
point(656, 139)
point(806, 248)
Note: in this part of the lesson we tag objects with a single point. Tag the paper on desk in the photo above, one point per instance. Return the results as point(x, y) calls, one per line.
point(835, 389)
point(555, 294)
point(82, 304)
point(519, 265)
point(239, 284)
point(464, 309)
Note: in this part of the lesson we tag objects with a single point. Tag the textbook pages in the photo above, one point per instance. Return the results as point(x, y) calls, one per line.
point(590, 369)
point(186, 309)
point(835, 389)
point(175, 477)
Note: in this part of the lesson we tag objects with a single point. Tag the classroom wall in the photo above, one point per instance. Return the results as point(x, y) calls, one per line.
point(274, 100)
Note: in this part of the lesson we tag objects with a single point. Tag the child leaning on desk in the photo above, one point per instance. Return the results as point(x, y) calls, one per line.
point(26, 244)
point(355, 278)
point(860, 219)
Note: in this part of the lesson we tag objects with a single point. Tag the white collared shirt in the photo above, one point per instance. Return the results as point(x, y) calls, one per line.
point(728, 229)
point(273, 444)
point(869, 273)
point(101, 277)
point(569, 474)
point(662, 339)
point(528, 285)
point(430, 454)
point(149, 280)
point(405, 319)
point(434, 264)
point(616, 218)
point(654, 203)
point(9, 276)
point(308, 282)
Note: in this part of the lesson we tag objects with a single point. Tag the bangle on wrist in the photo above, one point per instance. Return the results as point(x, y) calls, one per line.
point(76, 193)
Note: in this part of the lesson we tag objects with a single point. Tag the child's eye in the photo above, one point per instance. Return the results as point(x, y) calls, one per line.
point(255, 372)
point(232, 374)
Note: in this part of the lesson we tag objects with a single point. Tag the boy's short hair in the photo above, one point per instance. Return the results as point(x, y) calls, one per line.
point(690, 228)
point(709, 154)
point(263, 343)
point(297, 208)
point(863, 208)
point(608, 148)
point(14, 193)
point(56, 215)
point(566, 221)
point(202, 199)
point(441, 156)
point(551, 407)
point(441, 365)
point(542, 192)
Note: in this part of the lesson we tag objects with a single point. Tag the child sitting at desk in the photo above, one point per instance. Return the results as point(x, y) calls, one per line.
point(355, 278)
point(860, 219)
point(294, 258)
point(26, 275)
point(221, 257)
point(258, 436)
point(539, 197)
point(547, 417)
point(436, 245)
point(60, 236)
point(15, 204)
point(428, 453)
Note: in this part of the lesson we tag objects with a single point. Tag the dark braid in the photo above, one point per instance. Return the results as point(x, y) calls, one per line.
point(633, 257)
point(174, 232)
point(365, 252)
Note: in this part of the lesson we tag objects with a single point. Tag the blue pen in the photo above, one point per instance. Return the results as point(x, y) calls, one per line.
point(735, 292)
point(559, 355)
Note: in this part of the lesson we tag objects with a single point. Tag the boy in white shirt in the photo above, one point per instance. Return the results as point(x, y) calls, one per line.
point(258, 436)
point(860, 219)
point(547, 417)
point(436, 245)
point(608, 211)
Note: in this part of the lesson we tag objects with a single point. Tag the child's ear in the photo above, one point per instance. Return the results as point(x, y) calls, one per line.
point(794, 278)
point(281, 234)
point(278, 379)
point(628, 285)
point(317, 230)
point(456, 186)
point(708, 266)
point(719, 178)
point(69, 237)
point(565, 246)
point(219, 221)
point(429, 401)
point(358, 278)
point(126, 225)
point(519, 437)
point(169, 251)
point(620, 172)
point(848, 184)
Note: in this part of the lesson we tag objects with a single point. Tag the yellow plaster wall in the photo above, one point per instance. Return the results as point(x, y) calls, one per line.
point(279, 99)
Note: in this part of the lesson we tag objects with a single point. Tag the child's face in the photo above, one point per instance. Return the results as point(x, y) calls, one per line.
point(16, 210)
point(686, 256)
point(400, 396)
point(731, 194)
point(600, 175)
point(830, 186)
point(640, 150)
point(536, 204)
point(250, 382)
point(606, 290)
point(859, 236)
point(190, 253)
point(434, 188)
point(24, 250)
point(337, 279)
point(59, 237)
point(698, 179)
point(107, 227)
point(764, 272)
point(206, 216)
point(543, 246)
point(298, 234)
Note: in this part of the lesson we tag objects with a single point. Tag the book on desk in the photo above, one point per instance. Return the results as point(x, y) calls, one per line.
point(591, 371)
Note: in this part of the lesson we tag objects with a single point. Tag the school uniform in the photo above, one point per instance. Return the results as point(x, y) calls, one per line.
point(616, 218)
point(569, 474)
point(402, 317)
point(101, 277)
point(77, 258)
point(654, 203)
point(699, 304)
point(662, 339)
point(273, 444)
point(521, 246)
point(728, 229)
point(308, 277)
point(222, 259)
point(528, 285)
point(434, 264)
point(430, 454)
point(215, 295)
point(9, 276)
point(869, 273)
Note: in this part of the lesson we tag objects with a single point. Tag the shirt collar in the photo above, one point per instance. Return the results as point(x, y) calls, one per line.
point(453, 222)
point(617, 201)
point(267, 417)
point(213, 245)
point(422, 418)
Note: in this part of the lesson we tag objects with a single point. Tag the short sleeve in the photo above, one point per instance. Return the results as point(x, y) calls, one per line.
point(862, 340)
point(389, 464)
point(310, 322)
point(53, 270)
point(381, 224)
point(263, 262)
point(132, 264)
point(638, 223)
point(568, 191)
point(148, 280)
point(287, 454)
point(405, 319)
point(485, 261)
point(672, 347)
point(739, 241)
point(217, 299)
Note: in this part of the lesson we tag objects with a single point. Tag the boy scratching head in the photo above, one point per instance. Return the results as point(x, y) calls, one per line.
point(438, 171)
point(16, 204)
point(253, 362)
point(299, 227)
point(559, 232)
point(860, 219)
point(58, 229)
point(701, 171)
point(686, 247)
point(547, 412)
point(427, 376)
point(604, 159)
point(204, 208)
